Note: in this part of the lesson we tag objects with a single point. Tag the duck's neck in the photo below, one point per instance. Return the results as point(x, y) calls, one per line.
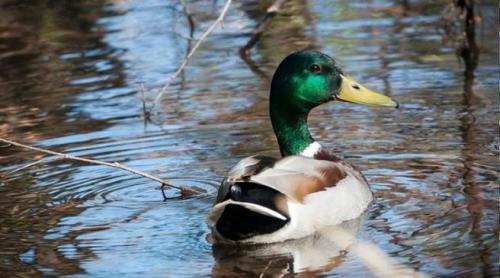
point(290, 127)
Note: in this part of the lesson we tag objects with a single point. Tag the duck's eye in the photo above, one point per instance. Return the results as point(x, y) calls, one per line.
point(314, 68)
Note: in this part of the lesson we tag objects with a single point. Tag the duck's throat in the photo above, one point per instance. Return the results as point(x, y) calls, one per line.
point(292, 132)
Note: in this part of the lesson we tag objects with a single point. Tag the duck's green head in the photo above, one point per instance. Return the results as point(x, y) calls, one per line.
point(303, 81)
point(309, 78)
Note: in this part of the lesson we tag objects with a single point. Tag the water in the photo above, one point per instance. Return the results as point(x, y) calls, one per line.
point(70, 75)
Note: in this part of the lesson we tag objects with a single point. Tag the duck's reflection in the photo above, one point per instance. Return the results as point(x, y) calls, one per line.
point(321, 251)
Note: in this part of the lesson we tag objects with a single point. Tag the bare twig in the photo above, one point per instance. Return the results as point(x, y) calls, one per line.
point(189, 17)
point(190, 39)
point(266, 268)
point(190, 54)
point(59, 155)
point(40, 161)
point(259, 29)
point(145, 112)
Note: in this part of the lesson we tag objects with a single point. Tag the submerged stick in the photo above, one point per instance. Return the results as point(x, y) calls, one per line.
point(164, 183)
point(193, 50)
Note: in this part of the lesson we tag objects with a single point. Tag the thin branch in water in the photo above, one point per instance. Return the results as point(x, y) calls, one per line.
point(189, 17)
point(145, 112)
point(29, 165)
point(266, 268)
point(190, 39)
point(185, 192)
point(190, 54)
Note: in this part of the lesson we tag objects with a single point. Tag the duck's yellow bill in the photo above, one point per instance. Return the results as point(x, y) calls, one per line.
point(352, 91)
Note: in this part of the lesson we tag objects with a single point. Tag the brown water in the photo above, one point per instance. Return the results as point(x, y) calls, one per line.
point(69, 78)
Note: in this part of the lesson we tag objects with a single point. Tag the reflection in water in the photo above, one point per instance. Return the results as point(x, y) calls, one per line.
point(47, 48)
point(312, 254)
point(469, 52)
point(285, 32)
point(277, 33)
point(69, 75)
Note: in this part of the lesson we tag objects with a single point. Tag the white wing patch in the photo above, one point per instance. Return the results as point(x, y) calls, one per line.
point(217, 210)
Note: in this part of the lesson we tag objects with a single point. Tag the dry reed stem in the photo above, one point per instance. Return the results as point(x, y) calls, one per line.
point(164, 183)
point(193, 50)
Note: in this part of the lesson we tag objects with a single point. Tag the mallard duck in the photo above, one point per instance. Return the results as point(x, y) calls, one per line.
point(264, 199)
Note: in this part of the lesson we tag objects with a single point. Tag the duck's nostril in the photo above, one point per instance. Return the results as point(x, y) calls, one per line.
point(355, 86)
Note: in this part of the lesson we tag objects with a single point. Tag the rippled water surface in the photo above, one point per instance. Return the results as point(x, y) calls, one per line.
point(70, 75)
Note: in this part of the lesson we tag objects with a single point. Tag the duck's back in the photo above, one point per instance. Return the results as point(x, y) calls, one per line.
point(268, 200)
